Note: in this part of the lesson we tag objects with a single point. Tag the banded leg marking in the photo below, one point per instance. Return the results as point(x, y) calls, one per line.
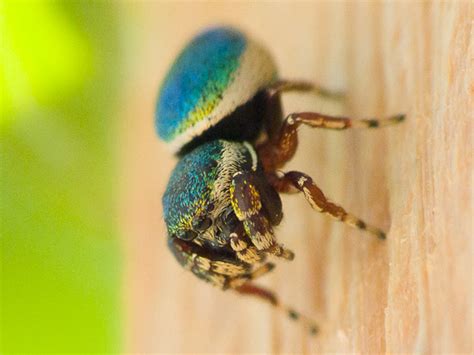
point(255, 274)
point(319, 202)
point(243, 250)
point(215, 269)
point(250, 289)
point(210, 267)
point(275, 153)
point(247, 204)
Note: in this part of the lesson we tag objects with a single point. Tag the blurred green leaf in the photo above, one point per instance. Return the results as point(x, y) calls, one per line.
point(43, 55)
point(60, 256)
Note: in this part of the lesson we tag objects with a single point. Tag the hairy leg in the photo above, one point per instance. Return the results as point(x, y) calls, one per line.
point(247, 204)
point(259, 271)
point(273, 115)
point(250, 289)
point(245, 251)
point(297, 181)
point(282, 86)
point(274, 153)
point(207, 264)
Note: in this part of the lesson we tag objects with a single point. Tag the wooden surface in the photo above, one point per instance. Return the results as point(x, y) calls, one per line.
point(412, 293)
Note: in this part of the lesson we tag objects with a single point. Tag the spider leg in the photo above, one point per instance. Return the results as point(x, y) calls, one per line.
point(279, 150)
point(272, 113)
point(247, 204)
point(282, 86)
point(238, 281)
point(233, 231)
point(250, 289)
point(244, 286)
point(207, 264)
point(245, 252)
point(295, 180)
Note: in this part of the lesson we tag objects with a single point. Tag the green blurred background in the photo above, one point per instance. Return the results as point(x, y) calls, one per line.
point(60, 251)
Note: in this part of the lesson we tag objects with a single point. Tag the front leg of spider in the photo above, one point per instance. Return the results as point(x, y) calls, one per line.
point(220, 270)
point(205, 264)
point(258, 206)
point(246, 200)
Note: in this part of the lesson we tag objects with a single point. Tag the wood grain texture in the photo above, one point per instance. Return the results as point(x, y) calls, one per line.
point(412, 293)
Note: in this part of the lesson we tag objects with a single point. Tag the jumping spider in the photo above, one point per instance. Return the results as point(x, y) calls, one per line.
point(219, 109)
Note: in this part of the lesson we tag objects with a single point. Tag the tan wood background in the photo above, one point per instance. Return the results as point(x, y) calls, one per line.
point(412, 293)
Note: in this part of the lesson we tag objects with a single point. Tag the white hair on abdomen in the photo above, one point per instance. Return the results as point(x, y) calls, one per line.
point(253, 154)
point(255, 71)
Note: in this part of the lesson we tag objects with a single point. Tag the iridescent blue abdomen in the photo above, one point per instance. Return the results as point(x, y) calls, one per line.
point(218, 71)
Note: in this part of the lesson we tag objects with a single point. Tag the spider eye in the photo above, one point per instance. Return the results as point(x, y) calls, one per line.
point(203, 224)
point(227, 221)
point(187, 235)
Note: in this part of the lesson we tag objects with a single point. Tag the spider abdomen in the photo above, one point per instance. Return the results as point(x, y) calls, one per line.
point(217, 72)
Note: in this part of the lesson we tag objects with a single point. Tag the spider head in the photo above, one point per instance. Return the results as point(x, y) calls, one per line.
point(197, 204)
